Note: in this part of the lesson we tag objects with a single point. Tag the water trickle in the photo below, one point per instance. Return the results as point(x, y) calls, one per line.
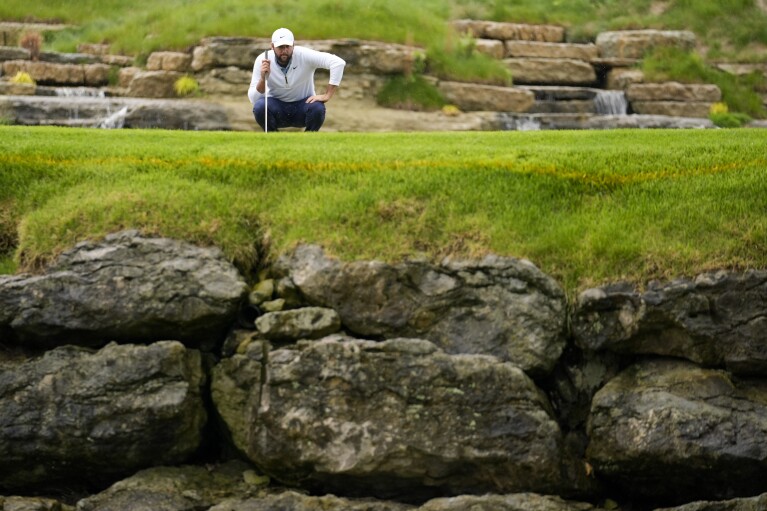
point(611, 102)
point(79, 92)
point(115, 120)
point(527, 123)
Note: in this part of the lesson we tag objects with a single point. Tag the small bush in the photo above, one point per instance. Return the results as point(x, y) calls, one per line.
point(729, 120)
point(186, 86)
point(458, 60)
point(33, 42)
point(451, 110)
point(414, 93)
point(23, 78)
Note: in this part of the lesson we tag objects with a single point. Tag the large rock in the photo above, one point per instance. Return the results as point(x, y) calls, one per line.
point(623, 78)
point(510, 31)
point(397, 418)
point(535, 49)
point(175, 115)
point(672, 108)
point(125, 288)
point(228, 51)
point(154, 84)
point(74, 415)
point(294, 501)
point(671, 432)
point(227, 81)
point(580, 121)
point(13, 53)
point(497, 306)
point(490, 47)
point(746, 504)
point(17, 503)
point(48, 73)
point(717, 319)
point(673, 91)
point(169, 61)
point(551, 71)
point(184, 488)
point(114, 112)
point(297, 502)
point(371, 56)
point(513, 502)
point(468, 96)
point(634, 44)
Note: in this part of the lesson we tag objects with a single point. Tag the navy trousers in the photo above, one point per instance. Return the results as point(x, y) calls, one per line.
point(290, 114)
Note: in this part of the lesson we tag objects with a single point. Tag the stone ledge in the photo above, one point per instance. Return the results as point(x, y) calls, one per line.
point(633, 44)
point(674, 91)
point(169, 61)
point(587, 52)
point(510, 31)
point(530, 71)
point(469, 96)
point(672, 108)
point(60, 74)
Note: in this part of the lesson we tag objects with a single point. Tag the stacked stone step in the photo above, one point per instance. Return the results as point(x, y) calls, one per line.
point(564, 77)
point(621, 51)
point(535, 54)
point(557, 76)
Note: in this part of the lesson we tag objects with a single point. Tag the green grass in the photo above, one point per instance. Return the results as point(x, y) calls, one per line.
point(586, 207)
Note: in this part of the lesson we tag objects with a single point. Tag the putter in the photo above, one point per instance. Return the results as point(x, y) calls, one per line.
point(266, 97)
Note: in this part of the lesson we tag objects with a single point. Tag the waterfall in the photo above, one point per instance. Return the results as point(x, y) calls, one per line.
point(528, 123)
point(519, 122)
point(79, 92)
point(611, 102)
point(115, 120)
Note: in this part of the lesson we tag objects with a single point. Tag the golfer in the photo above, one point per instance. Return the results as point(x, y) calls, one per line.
point(283, 83)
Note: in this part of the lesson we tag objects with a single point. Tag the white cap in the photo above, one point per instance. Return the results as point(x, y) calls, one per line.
point(282, 36)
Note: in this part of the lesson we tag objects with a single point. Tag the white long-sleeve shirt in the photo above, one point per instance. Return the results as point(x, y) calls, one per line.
point(298, 82)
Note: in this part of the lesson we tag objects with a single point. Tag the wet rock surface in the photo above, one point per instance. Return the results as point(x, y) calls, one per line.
point(74, 414)
point(125, 288)
point(498, 306)
point(667, 430)
point(391, 418)
point(309, 390)
point(716, 319)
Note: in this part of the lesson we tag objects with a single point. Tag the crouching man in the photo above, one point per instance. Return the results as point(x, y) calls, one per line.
point(282, 88)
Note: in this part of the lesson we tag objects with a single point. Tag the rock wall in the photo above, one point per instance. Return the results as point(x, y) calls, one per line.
point(537, 56)
point(144, 373)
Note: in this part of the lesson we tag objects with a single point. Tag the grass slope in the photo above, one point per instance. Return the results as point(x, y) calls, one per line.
point(584, 206)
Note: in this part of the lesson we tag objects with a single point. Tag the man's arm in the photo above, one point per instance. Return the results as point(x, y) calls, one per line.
point(258, 81)
point(323, 98)
point(335, 65)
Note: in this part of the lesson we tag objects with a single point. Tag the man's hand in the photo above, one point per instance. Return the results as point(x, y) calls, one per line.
point(265, 68)
point(323, 98)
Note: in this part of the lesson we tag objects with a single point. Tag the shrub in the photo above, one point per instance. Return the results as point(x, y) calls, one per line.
point(32, 41)
point(413, 93)
point(729, 120)
point(186, 86)
point(458, 60)
point(451, 110)
point(23, 77)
